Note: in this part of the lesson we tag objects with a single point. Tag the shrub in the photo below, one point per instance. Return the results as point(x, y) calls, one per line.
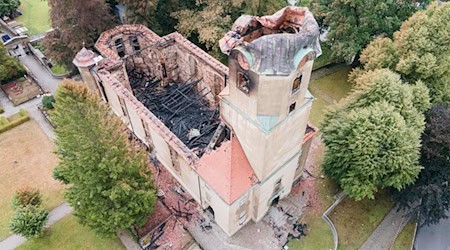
point(27, 197)
point(13, 121)
point(29, 221)
point(48, 101)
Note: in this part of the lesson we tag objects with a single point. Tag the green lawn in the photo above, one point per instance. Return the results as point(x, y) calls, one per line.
point(58, 69)
point(404, 239)
point(26, 159)
point(318, 235)
point(68, 234)
point(356, 220)
point(328, 90)
point(35, 16)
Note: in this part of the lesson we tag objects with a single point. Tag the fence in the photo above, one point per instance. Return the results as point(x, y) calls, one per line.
point(325, 217)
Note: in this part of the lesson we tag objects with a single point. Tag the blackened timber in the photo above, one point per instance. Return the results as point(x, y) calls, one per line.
point(180, 106)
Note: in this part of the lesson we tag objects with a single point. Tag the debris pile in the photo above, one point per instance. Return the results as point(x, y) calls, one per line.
point(181, 107)
point(166, 226)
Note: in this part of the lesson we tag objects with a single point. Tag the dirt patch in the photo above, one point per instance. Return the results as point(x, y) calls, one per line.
point(21, 90)
point(26, 159)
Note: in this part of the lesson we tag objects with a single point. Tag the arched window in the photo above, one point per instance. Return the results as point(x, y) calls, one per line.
point(243, 82)
point(297, 84)
point(193, 65)
point(135, 43)
point(119, 47)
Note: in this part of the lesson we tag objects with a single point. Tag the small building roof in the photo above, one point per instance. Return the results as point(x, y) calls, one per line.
point(227, 171)
point(85, 58)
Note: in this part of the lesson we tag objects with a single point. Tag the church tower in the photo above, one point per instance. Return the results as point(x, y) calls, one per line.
point(266, 102)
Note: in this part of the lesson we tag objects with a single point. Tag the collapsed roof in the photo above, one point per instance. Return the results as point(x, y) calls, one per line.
point(272, 43)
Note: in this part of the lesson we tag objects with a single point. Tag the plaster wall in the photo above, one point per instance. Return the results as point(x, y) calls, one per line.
point(89, 79)
point(267, 151)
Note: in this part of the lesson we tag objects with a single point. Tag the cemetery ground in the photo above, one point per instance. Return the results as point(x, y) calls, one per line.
point(36, 16)
point(26, 159)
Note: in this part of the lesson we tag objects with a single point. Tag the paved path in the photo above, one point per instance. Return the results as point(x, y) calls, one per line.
point(46, 81)
point(434, 236)
point(44, 78)
point(31, 108)
point(384, 235)
point(55, 215)
point(128, 241)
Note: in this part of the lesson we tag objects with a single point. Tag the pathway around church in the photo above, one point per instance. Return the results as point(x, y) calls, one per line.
point(385, 234)
point(55, 215)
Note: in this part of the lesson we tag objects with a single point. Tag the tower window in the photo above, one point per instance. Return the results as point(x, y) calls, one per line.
point(135, 43)
point(119, 47)
point(296, 84)
point(243, 83)
point(164, 70)
point(292, 107)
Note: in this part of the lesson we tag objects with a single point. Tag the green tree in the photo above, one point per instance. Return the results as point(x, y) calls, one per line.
point(419, 51)
point(110, 185)
point(156, 14)
point(75, 23)
point(10, 68)
point(373, 136)
point(47, 101)
point(209, 20)
point(27, 196)
point(140, 11)
point(429, 196)
point(7, 7)
point(353, 24)
point(29, 221)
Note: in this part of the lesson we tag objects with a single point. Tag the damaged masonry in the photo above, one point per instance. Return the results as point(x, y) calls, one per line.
point(234, 138)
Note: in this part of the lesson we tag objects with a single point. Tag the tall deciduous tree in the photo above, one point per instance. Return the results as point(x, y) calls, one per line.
point(7, 7)
point(429, 196)
point(211, 19)
point(140, 11)
point(75, 22)
point(373, 136)
point(156, 14)
point(110, 186)
point(419, 50)
point(354, 23)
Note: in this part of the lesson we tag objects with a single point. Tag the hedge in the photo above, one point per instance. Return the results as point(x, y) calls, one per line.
point(13, 121)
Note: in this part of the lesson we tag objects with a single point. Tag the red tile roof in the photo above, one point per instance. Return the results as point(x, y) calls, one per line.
point(227, 171)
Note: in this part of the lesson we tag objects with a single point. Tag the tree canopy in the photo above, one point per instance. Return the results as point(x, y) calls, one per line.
point(353, 24)
point(110, 185)
point(429, 196)
point(418, 51)
point(209, 20)
point(373, 136)
point(7, 7)
point(10, 68)
point(75, 23)
point(156, 14)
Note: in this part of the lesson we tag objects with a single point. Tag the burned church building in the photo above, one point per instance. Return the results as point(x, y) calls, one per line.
point(236, 138)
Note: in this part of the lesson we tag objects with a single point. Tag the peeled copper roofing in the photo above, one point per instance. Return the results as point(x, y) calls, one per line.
point(272, 42)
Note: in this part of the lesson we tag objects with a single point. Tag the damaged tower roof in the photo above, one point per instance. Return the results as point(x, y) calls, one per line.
point(273, 44)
